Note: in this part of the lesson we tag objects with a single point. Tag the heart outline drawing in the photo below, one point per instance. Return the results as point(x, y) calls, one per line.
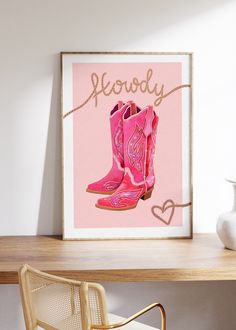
point(169, 203)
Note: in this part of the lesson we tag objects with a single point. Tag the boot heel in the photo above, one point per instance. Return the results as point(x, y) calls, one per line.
point(147, 194)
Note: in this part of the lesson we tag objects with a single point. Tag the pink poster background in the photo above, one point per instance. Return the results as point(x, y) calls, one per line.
point(92, 143)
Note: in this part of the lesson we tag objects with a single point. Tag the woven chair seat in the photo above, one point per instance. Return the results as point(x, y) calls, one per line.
point(134, 325)
point(73, 321)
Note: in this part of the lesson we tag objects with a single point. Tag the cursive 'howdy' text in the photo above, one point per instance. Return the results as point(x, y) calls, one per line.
point(102, 86)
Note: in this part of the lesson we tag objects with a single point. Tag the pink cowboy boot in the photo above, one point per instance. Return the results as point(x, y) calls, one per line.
point(139, 128)
point(112, 180)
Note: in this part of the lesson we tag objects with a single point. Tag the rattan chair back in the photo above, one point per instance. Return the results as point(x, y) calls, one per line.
point(55, 303)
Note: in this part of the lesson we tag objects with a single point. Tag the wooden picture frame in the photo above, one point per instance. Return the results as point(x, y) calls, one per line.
point(93, 84)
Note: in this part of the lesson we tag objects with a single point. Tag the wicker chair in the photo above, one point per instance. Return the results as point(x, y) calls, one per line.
point(55, 303)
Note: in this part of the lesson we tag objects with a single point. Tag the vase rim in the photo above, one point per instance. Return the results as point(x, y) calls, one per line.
point(231, 180)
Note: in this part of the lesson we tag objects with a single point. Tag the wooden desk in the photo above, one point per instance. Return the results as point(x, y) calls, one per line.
point(200, 259)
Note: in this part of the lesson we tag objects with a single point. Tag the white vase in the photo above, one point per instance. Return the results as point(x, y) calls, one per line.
point(226, 224)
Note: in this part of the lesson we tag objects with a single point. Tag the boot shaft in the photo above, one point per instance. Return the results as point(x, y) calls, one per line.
point(117, 137)
point(139, 127)
point(151, 146)
point(111, 181)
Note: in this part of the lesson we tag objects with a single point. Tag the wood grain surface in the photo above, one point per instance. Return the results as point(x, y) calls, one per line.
point(202, 258)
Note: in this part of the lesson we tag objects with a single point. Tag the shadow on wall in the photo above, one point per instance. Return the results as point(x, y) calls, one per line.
point(126, 22)
point(50, 209)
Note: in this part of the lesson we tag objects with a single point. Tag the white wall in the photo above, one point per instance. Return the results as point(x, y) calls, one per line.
point(32, 33)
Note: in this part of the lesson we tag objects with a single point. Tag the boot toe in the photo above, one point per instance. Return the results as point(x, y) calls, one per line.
point(97, 187)
point(93, 186)
point(104, 203)
point(103, 186)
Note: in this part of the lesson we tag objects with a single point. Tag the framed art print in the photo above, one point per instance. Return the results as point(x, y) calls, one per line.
point(126, 121)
